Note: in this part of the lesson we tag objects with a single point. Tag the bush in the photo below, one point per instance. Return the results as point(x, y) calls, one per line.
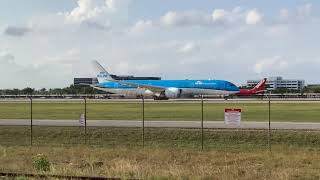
point(41, 163)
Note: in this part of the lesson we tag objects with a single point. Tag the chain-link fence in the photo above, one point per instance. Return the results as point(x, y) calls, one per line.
point(198, 124)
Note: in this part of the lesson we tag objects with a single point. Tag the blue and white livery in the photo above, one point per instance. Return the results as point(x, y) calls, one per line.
point(162, 88)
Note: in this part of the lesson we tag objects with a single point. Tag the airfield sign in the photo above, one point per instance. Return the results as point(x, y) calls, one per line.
point(232, 117)
point(82, 119)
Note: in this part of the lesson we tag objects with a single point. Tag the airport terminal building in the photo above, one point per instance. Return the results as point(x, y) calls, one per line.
point(278, 82)
point(81, 81)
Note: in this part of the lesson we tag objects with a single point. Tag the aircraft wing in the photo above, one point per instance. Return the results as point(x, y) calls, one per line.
point(155, 89)
point(86, 84)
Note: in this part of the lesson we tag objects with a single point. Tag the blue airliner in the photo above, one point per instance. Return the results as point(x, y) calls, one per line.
point(162, 89)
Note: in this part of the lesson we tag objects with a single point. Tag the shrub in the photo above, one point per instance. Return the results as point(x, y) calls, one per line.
point(41, 163)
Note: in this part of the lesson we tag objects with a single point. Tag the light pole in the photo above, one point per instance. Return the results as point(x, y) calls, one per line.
point(143, 121)
point(85, 120)
point(269, 118)
point(31, 120)
point(202, 122)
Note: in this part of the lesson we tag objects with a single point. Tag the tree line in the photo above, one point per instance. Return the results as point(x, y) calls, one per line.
point(72, 89)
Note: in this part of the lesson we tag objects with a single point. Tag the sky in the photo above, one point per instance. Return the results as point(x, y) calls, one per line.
point(45, 44)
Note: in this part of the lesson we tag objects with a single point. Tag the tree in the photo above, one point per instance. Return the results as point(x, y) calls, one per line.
point(27, 90)
point(81, 89)
point(57, 91)
point(43, 91)
point(16, 91)
point(316, 90)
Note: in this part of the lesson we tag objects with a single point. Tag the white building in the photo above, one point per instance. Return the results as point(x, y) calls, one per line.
point(278, 82)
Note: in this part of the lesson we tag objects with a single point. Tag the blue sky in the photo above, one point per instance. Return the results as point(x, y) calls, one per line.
point(47, 43)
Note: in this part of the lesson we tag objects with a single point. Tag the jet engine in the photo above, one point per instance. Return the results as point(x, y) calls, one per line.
point(173, 92)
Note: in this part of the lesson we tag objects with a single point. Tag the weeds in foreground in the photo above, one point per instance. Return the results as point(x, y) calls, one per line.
point(41, 163)
point(166, 163)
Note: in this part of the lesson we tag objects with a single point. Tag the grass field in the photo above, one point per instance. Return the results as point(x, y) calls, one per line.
point(159, 137)
point(166, 163)
point(168, 153)
point(294, 112)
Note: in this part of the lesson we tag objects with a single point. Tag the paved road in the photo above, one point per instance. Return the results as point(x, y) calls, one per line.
point(170, 124)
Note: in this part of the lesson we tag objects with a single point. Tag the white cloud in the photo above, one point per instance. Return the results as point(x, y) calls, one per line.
point(117, 5)
point(86, 10)
point(301, 14)
point(253, 17)
point(219, 15)
point(305, 10)
point(188, 48)
point(269, 65)
point(97, 11)
point(5, 56)
point(128, 68)
point(284, 14)
point(9, 68)
point(140, 26)
point(236, 16)
point(146, 67)
point(170, 18)
point(34, 75)
point(190, 18)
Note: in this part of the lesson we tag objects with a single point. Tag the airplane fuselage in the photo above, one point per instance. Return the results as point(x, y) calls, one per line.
point(181, 87)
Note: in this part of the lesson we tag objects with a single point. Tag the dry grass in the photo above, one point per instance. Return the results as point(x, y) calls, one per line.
point(165, 163)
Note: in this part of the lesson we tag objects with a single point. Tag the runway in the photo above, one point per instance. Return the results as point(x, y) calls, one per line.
point(163, 124)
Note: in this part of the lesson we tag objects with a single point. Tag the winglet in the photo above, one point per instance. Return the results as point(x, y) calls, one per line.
point(102, 74)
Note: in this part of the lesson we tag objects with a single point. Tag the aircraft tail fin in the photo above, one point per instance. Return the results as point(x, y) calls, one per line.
point(102, 74)
point(261, 86)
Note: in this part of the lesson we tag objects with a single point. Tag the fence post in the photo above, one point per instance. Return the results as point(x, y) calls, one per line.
point(31, 121)
point(142, 121)
point(85, 120)
point(202, 122)
point(269, 118)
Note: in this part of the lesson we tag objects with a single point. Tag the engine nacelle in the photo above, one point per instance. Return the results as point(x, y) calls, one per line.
point(173, 92)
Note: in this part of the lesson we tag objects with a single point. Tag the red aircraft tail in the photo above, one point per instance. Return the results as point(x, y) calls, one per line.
point(258, 89)
point(261, 86)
